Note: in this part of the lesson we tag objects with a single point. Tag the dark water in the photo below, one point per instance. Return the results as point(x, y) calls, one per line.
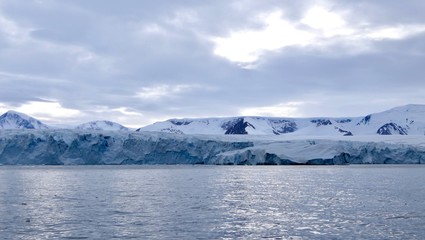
point(212, 202)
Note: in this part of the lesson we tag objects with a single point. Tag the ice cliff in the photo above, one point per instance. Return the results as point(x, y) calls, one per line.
point(109, 147)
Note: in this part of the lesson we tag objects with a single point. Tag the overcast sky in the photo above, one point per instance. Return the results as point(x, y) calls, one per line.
point(139, 61)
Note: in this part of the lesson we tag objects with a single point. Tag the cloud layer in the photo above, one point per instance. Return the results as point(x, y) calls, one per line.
point(141, 61)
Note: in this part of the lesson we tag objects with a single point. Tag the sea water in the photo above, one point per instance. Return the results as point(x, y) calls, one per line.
point(212, 202)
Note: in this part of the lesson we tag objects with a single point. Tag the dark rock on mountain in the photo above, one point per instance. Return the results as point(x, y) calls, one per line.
point(180, 122)
point(282, 126)
point(345, 132)
point(365, 120)
point(391, 129)
point(321, 122)
point(343, 120)
point(237, 126)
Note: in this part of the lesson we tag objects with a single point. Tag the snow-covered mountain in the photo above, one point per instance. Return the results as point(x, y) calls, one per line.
point(16, 120)
point(404, 120)
point(102, 126)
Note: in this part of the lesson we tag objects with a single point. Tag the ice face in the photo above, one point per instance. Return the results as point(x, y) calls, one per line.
point(94, 147)
point(108, 147)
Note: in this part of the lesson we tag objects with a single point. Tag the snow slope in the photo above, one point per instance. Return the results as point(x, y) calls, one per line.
point(82, 147)
point(405, 120)
point(16, 120)
point(102, 126)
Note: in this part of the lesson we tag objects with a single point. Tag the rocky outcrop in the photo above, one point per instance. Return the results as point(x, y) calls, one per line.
point(391, 129)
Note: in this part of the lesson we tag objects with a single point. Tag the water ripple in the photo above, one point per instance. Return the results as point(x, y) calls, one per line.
point(212, 202)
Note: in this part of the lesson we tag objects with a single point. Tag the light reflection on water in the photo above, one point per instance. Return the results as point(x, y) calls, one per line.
point(212, 202)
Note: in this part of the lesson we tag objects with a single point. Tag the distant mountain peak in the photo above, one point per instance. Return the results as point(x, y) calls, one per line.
point(102, 125)
point(15, 113)
point(16, 120)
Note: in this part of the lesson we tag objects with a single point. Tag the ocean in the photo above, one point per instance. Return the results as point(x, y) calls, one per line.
point(212, 202)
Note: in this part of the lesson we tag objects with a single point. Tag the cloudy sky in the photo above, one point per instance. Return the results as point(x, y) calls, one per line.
point(138, 61)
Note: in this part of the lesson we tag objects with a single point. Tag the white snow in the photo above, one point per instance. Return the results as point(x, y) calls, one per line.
point(16, 120)
point(102, 126)
point(410, 119)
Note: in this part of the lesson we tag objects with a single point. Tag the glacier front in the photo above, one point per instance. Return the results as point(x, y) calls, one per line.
point(71, 147)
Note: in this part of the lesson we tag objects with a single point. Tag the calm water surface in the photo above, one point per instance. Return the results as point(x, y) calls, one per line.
point(212, 202)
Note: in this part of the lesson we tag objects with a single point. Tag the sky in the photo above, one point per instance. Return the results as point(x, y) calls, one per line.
point(136, 62)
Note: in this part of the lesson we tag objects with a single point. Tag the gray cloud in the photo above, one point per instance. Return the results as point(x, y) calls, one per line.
point(102, 58)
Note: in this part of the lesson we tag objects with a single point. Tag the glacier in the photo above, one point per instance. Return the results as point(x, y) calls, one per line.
point(84, 147)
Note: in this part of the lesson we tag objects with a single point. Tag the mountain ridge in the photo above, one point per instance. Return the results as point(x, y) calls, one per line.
point(402, 120)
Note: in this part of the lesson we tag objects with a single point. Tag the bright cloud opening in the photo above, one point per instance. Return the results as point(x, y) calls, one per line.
point(159, 92)
point(121, 110)
point(396, 32)
point(280, 110)
point(319, 28)
point(323, 19)
point(246, 46)
point(47, 110)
